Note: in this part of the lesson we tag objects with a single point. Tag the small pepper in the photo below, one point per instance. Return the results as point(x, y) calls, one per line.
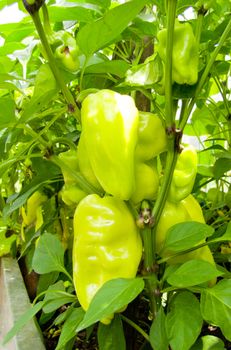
point(185, 55)
point(184, 175)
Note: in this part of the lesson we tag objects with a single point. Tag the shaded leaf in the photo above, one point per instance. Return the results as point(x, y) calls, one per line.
point(158, 336)
point(111, 337)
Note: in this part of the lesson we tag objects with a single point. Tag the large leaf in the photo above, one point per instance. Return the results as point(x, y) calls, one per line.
point(111, 337)
point(117, 67)
point(49, 255)
point(72, 12)
point(216, 306)
point(111, 297)
point(93, 36)
point(184, 321)
point(193, 272)
point(69, 327)
point(158, 336)
point(186, 235)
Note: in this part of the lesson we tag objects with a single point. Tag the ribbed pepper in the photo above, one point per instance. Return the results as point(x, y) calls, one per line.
point(185, 56)
point(184, 175)
point(110, 127)
point(107, 245)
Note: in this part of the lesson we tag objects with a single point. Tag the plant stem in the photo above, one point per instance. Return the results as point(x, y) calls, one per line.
point(205, 75)
point(146, 235)
point(134, 325)
point(171, 14)
point(170, 120)
point(51, 59)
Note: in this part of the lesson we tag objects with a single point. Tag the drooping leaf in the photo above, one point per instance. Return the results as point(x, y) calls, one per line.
point(69, 327)
point(111, 297)
point(22, 321)
point(158, 336)
point(216, 306)
point(184, 321)
point(111, 337)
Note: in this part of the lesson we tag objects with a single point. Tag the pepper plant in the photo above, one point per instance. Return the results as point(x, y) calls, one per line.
point(115, 170)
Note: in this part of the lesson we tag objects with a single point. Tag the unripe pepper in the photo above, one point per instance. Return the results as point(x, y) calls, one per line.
point(66, 50)
point(85, 165)
point(174, 213)
point(107, 245)
point(185, 56)
point(147, 182)
point(152, 138)
point(110, 127)
point(71, 192)
point(184, 175)
point(32, 211)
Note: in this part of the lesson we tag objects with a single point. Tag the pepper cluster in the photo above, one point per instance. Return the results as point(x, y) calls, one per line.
point(117, 155)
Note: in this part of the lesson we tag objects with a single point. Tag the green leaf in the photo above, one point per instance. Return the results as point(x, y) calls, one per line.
point(193, 272)
point(7, 111)
point(5, 242)
point(69, 327)
point(184, 321)
point(72, 12)
point(48, 255)
point(186, 235)
point(221, 166)
point(45, 89)
point(216, 306)
point(93, 36)
point(117, 67)
point(158, 336)
point(226, 236)
point(111, 337)
point(56, 297)
point(208, 342)
point(22, 321)
point(111, 297)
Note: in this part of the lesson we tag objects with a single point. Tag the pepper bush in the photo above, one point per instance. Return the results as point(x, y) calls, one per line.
point(115, 170)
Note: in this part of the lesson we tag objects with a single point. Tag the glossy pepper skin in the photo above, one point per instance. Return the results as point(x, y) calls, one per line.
point(184, 175)
point(185, 56)
point(107, 245)
point(174, 213)
point(110, 127)
point(151, 142)
point(152, 138)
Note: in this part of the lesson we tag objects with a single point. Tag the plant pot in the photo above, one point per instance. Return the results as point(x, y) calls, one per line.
point(14, 301)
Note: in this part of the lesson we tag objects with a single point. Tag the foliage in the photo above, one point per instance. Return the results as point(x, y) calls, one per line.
point(169, 306)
